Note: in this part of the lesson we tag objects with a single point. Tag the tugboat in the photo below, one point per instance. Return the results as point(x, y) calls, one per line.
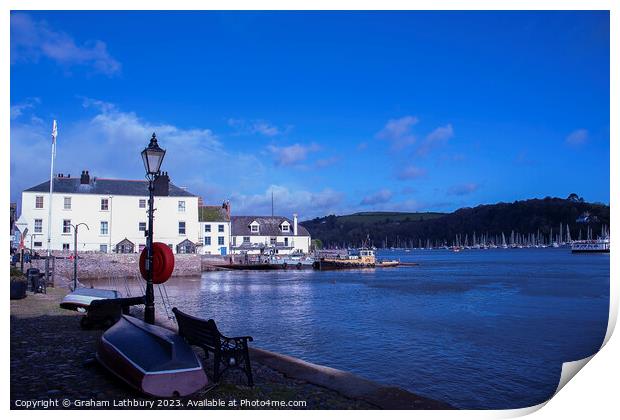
point(364, 259)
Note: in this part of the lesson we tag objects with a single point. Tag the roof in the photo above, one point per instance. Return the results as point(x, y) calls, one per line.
point(212, 214)
point(104, 186)
point(269, 226)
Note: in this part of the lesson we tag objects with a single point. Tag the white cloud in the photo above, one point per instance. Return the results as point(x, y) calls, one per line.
point(293, 154)
point(577, 137)
point(463, 189)
point(17, 110)
point(31, 40)
point(262, 127)
point(379, 197)
point(411, 172)
point(287, 201)
point(265, 129)
point(109, 145)
point(398, 132)
point(438, 137)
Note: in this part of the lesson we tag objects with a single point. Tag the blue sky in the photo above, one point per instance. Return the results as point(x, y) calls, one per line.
point(333, 112)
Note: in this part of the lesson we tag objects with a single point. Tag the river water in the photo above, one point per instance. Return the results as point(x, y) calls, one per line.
point(476, 329)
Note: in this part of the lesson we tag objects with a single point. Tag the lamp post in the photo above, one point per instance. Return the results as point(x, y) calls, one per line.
point(75, 254)
point(31, 250)
point(152, 157)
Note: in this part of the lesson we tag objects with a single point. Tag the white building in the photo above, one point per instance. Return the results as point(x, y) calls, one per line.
point(115, 212)
point(214, 229)
point(268, 235)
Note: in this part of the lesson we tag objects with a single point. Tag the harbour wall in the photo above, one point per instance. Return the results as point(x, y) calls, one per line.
point(92, 266)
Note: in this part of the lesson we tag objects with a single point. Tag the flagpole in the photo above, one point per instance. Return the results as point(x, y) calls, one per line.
point(49, 217)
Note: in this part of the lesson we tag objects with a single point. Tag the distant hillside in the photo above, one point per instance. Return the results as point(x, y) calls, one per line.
point(370, 218)
point(535, 216)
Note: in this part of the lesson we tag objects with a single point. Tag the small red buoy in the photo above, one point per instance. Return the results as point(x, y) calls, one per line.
point(163, 263)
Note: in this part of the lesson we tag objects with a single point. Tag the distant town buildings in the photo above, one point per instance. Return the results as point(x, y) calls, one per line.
point(268, 234)
point(115, 211)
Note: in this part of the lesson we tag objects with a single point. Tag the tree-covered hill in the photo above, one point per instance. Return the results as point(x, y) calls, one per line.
point(540, 217)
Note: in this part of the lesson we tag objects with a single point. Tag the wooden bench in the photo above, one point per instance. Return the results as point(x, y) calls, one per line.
point(229, 352)
point(103, 313)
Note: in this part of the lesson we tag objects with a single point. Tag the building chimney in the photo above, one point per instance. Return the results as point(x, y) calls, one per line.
point(226, 206)
point(161, 185)
point(85, 178)
point(295, 224)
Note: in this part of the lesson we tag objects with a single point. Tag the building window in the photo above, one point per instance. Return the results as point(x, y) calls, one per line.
point(207, 228)
point(103, 228)
point(182, 206)
point(285, 228)
point(65, 247)
point(142, 226)
point(104, 204)
point(253, 228)
point(103, 248)
point(38, 244)
point(142, 203)
point(285, 241)
point(207, 240)
point(246, 239)
point(67, 203)
point(38, 225)
point(220, 228)
point(181, 228)
point(220, 240)
point(66, 226)
point(38, 202)
point(272, 240)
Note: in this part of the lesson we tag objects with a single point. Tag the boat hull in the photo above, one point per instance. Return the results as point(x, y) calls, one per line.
point(151, 359)
point(590, 251)
point(388, 264)
point(342, 265)
point(82, 298)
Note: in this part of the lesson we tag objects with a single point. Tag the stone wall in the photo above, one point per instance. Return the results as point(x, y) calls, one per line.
point(98, 265)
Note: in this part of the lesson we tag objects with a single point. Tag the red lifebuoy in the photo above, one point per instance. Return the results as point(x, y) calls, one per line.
point(163, 263)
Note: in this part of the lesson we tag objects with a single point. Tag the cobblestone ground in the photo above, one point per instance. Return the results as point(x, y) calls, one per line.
point(52, 358)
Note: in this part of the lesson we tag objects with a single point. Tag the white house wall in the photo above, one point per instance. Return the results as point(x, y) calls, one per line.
point(298, 243)
point(123, 217)
point(214, 234)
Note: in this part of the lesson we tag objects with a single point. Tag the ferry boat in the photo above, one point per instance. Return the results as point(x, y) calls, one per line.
point(292, 262)
point(600, 245)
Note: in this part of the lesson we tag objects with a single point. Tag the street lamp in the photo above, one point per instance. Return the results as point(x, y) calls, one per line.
point(75, 254)
point(152, 157)
point(31, 249)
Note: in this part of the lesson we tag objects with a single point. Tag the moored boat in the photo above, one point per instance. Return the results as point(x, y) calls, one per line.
point(81, 298)
point(364, 259)
point(387, 264)
point(151, 359)
point(600, 245)
point(292, 262)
